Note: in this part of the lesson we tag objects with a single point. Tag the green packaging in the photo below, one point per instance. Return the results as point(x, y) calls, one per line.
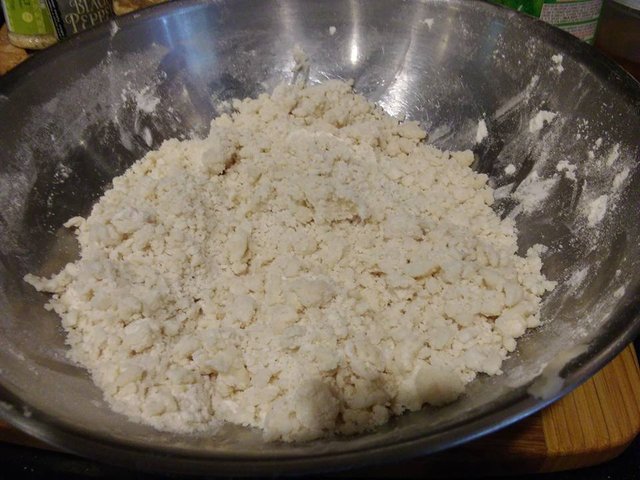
point(37, 24)
point(28, 17)
point(578, 17)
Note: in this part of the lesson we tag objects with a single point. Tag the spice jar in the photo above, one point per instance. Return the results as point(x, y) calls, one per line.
point(29, 23)
point(74, 16)
point(37, 24)
point(578, 17)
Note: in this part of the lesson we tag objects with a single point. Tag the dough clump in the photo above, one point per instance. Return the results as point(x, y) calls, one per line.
point(311, 267)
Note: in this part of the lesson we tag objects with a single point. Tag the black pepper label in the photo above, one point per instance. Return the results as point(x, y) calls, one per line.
point(74, 16)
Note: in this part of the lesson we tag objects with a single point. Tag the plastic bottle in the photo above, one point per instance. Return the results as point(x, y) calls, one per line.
point(29, 23)
point(578, 17)
point(37, 24)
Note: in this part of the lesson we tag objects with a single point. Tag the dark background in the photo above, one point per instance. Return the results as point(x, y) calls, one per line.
point(28, 463)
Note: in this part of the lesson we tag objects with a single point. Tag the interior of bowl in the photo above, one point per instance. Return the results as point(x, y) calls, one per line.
point(79, 114)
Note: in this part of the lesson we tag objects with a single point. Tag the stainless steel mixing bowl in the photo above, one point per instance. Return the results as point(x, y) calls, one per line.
point(80, 113)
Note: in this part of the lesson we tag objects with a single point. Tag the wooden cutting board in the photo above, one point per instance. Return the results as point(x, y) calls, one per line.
point(10, 56)
point(593, 424)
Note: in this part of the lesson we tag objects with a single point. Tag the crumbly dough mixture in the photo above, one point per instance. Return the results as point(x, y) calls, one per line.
point(312, 267)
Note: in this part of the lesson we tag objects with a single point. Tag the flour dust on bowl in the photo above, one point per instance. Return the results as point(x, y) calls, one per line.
point(553, 129)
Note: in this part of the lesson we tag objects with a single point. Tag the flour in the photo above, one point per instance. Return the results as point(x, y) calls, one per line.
point(503, 192)
point(578, 277)
point(522, 97)
point(557, 60)
point(428, 22)
point(301, 66)
point(146, 135)
point(534, 190)
point(619, 293)
point(113, 28)
point(597, 209)
point(332, 30)
point(61, 173)
point(568, 169)
point(482, 131)
point(620, 178)
point(613, 155)
point(510, 169)
point(145, 100)
point(309, 268)
point(538, 122)
point(550, 383)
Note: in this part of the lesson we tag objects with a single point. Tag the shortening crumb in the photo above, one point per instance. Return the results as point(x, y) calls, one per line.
point(309, 268)
point(332, 30)
point(510, 169)
point(428, 22)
